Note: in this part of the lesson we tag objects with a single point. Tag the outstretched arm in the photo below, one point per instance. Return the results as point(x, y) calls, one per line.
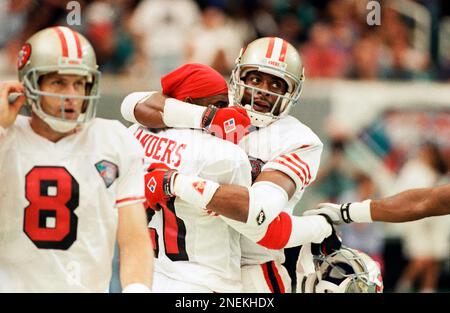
point(412, 205)
point(406, 206)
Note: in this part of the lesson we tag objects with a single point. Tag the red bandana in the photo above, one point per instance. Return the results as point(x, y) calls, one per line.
point(193, 80)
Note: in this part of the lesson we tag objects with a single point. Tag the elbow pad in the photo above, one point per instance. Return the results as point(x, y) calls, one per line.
point(266, 201)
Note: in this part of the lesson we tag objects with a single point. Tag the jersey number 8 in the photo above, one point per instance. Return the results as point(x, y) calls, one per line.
point(50, 221)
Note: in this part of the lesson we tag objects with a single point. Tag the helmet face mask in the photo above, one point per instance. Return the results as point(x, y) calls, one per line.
point(344, 271)
point(48, 51)
point(272, 56)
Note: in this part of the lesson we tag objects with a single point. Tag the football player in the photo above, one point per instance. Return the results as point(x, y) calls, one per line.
point(198, 266)
point(71, 183)
point(285, 153)
point(406, 206)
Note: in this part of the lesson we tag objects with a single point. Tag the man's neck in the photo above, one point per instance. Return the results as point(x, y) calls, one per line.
point(44, 130)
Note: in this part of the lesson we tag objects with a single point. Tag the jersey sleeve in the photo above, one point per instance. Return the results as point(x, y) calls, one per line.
point(130, 188)
point(301, 165)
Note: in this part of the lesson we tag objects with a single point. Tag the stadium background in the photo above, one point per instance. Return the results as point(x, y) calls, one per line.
point(373, 93)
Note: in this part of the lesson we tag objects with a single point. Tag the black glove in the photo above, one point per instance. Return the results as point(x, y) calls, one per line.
point(330, 244)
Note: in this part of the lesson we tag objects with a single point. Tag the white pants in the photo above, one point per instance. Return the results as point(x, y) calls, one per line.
point(269, 277)
point(165, 284)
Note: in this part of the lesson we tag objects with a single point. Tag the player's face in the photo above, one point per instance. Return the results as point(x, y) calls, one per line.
point(67, 85)
point(220, 100)
point(263, 102)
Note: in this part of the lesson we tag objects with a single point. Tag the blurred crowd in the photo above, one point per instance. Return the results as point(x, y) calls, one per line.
point(152, 37)
point(425, 244)
point(148, 38)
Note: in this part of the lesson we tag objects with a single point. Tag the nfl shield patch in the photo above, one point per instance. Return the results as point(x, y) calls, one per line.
point(229, 125)
point(108, 171)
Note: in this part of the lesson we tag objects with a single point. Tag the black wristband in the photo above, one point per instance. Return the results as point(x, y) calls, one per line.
point(208, 116)
point(166, 182)
point(345, 213)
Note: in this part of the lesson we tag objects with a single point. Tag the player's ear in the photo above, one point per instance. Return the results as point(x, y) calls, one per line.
point(188, 100)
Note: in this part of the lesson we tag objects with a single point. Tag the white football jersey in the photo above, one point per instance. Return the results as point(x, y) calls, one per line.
point(288, 146)
point(192, 245)
point(58, 205)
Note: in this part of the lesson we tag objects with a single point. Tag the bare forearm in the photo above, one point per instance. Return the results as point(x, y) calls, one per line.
point(136, 251)
point(231, 201)
point(149, 112)
point(412, 205)
point(136, 263)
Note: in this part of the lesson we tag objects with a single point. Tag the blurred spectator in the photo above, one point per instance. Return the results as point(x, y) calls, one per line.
point(425, 242)
point(335, 175)
point(368, 238)
point(304, 11)
point(263, 19)
point(344, 22)
point(160, 30)
point(290, 29)
point(320, 56)
point(13, 21)
point(215, 41)
point(113, 45)
point(366, 55)
point(405, 63)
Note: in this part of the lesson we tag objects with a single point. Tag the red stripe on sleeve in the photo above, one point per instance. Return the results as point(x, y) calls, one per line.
point(270, 47)
point(62, 39)
point(292, 169)
point(290, 161)
point(304, 163)
point(283, 51)
point(129, 199)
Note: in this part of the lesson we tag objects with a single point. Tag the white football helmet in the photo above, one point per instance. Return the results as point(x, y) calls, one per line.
point(270, 55)
point(63, 51)
point(344, 271)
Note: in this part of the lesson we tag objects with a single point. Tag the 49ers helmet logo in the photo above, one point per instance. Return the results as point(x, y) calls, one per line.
point(24, 56)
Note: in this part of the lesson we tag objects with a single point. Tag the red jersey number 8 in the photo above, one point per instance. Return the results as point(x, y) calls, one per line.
point(50, 221)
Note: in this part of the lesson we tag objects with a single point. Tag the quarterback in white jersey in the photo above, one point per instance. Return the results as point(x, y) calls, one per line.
point(71, 183)
point(291, 150)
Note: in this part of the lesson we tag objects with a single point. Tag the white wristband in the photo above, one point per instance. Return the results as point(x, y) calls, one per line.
point(130, 102)
point(194, 190)
point(136, 288)
point(360, 212)
point(182, 114)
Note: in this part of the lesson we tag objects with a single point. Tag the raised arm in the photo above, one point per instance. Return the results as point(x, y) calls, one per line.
point(9, 111)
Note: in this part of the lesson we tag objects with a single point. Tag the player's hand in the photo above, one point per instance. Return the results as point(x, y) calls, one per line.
point(9, 111)
point(329, 245)
point(333, 211)
point(230, 123)
point(157, 185)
